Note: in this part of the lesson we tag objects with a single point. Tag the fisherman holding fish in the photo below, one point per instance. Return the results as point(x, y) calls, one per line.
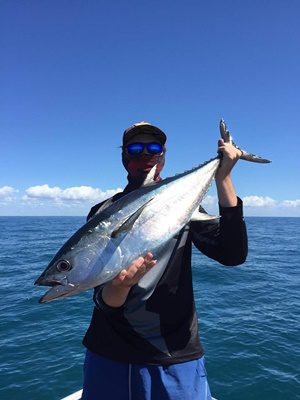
point(143, 340)
point(135, 250)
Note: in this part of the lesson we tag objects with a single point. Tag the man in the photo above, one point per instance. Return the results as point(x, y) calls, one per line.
point(143, 343)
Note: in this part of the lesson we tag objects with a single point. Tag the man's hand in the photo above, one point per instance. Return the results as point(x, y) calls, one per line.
point(114, 293)
point(130, 276)
point(226, 192)
point(230, 156)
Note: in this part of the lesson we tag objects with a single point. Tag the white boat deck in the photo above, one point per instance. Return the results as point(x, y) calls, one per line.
point(74, 396)
point(77, 396)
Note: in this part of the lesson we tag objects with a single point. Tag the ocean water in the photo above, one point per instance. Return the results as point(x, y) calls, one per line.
point(249, 316)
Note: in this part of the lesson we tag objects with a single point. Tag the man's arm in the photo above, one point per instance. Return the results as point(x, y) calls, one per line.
point(226, 241)
point(226, 192)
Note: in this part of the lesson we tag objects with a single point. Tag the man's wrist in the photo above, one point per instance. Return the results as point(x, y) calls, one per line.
point(114, 295)
point(222, 179)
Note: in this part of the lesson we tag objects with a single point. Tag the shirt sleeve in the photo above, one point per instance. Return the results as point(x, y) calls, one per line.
point(224, 240)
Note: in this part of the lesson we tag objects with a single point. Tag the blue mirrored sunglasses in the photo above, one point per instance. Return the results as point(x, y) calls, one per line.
point(135, 149)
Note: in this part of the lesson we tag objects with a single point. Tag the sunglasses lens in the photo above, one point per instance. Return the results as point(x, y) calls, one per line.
point(135, 148)
point(154, 148)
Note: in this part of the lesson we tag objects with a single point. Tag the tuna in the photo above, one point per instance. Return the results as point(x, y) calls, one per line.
point(142, 221)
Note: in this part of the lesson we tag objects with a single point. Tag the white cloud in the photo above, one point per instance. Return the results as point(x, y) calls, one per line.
point(209, 201)
point(86, 193)
point(66, 196)
point(43, 192)
point(259, 201)
point(6, 193)
point(268, 202)
point(291, 203)
point(76, 200)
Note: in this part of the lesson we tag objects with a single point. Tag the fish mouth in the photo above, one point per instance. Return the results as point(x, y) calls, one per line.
point(58, 291)
point(59, 288)
point(44, 281)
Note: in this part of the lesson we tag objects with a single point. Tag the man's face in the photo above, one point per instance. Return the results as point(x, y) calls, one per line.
point(140, 165)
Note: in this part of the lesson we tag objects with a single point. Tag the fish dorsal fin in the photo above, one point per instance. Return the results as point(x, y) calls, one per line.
point(128, 223)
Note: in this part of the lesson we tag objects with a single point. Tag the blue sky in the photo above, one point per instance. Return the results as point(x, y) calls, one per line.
point(75, 74)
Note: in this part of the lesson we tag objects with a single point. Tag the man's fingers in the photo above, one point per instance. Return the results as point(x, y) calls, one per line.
point(142, 261)
point(135, 271)
point(142, 269)
point(148, 256)
point(228, 150)
point(121, 276)
point(141, 265)
point(151, 264)
point(138, 262)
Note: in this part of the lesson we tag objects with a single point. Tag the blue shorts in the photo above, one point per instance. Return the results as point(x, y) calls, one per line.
point(105, 379)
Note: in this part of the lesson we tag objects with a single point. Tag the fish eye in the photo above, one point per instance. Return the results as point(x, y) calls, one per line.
point(63, 266)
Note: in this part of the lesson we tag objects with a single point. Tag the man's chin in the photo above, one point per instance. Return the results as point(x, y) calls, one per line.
point(144, 170)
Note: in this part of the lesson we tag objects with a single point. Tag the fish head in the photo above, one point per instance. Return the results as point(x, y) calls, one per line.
point(69, 272)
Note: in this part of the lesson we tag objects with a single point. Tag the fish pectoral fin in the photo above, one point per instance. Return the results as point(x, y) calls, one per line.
point(199, 216)
point(126, 225)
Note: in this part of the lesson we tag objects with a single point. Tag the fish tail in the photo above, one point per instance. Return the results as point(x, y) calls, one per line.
point(226, 136)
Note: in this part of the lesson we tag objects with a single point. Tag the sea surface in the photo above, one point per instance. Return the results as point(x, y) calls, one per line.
point(249, 316)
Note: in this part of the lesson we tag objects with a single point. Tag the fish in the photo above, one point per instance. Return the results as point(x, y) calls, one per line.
point(142, 221)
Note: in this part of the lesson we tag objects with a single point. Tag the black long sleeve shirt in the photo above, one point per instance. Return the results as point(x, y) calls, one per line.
point(158, 324)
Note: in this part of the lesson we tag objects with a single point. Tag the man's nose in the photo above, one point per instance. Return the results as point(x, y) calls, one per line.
point(145, 151)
